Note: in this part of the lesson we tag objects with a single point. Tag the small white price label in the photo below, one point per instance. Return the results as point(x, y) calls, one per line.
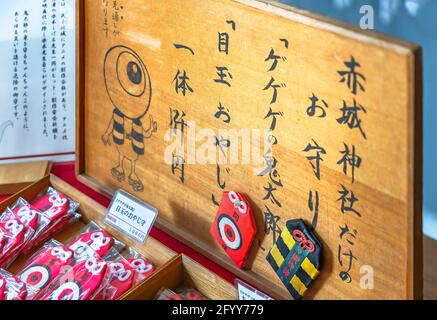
point(131, 216)
point(246, 292)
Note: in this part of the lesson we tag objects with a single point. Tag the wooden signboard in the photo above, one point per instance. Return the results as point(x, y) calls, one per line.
point(327, 119)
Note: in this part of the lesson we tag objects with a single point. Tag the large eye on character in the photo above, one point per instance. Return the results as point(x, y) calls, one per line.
point(134, 72)
point(131, 74)
point(127, 82)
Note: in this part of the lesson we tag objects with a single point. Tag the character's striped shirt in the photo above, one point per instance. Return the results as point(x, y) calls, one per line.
point(136, 135)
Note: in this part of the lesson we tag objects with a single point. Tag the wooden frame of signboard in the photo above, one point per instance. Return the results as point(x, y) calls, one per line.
point(430, 265)
point(257, 61)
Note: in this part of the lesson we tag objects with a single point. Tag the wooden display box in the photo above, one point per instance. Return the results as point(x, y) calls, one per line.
point(182, 269)
point(264, 64)
point(16, 176)
point(180, 272)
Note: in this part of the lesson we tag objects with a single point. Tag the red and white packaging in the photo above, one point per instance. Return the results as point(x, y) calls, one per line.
point(58, 209)
point(91, 239)
point(54, 204)
point(80, 282)
point(14, 288)
point(92, 250)
point(119, 278)
point(143, 268)
point(180, 294)
point(167, 294)
point(14, 235)
point(47, 264)
point(2, 288)
point(62, 224)
point(30, 217)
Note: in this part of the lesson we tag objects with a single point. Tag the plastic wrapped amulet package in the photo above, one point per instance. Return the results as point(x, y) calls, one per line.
point(92, 265)
point(124, 273)
point(25, 225)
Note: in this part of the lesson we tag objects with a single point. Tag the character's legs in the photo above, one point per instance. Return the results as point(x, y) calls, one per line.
point(118, 171)
point(134, 181)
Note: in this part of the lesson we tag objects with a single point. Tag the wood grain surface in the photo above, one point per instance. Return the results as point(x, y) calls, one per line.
point(16, 176)
point(176, 40)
